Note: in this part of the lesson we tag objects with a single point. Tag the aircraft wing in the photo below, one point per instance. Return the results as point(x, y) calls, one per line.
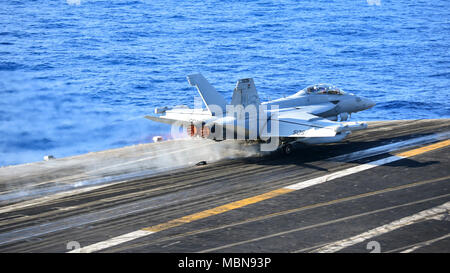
point(297, 122)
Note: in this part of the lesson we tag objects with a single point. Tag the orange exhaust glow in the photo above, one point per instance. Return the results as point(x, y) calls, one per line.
point(192, 130)
point(205, 131)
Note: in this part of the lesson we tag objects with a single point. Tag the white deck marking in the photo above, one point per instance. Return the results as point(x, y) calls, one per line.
point(112, 242)
point(338, 174)
point(423, 215)
point(391, 147)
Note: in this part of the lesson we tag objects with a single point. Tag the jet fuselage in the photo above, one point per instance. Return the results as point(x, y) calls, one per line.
point(344, 103)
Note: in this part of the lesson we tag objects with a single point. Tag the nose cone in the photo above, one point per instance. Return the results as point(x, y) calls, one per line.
point(367, 103)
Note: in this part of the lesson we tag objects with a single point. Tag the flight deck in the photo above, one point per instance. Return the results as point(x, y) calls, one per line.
point(383, 189)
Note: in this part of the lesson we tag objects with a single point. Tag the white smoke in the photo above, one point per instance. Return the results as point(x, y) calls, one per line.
point(28, 181)
point(374, 2)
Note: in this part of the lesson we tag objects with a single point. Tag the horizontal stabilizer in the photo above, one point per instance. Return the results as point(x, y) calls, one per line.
point(167, 120)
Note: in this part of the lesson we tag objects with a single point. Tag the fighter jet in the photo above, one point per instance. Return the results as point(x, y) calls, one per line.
point(317, 114)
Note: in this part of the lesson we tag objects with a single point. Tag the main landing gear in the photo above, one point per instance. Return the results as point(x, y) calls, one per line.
point(287, 148)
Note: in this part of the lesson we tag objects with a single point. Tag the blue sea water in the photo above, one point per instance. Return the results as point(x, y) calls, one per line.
point(79, 75)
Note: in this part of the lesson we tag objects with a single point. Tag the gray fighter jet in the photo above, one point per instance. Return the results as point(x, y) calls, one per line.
point(314, 115)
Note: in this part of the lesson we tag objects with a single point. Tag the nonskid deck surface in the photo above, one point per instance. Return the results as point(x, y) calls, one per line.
point(387, 186)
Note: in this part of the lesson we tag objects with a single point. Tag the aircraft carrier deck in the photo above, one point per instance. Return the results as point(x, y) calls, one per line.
point(384, 189)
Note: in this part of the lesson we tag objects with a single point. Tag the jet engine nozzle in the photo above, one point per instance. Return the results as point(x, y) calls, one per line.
point(205, 131)
point(192, 130)
point(199, 130)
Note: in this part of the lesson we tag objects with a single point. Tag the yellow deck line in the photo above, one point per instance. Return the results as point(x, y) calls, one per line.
point(268, 195)
point(217, 210)
point(424, 149)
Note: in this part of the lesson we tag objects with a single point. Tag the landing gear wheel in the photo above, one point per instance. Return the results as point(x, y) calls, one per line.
point(287, 149)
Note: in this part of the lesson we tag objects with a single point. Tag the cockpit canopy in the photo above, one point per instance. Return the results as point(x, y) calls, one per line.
point(325, 89)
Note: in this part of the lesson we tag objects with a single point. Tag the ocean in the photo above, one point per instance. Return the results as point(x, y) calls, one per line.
point(78, 76)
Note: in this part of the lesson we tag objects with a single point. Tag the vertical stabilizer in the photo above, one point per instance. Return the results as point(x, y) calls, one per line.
point(208, 93)
point(245, 93)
